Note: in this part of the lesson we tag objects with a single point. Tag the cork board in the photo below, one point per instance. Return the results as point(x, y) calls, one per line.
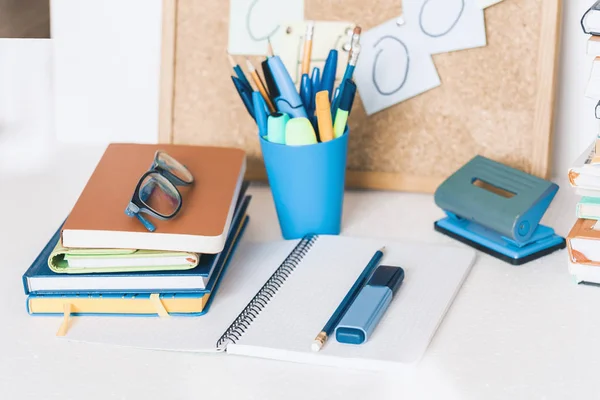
point(496, 101)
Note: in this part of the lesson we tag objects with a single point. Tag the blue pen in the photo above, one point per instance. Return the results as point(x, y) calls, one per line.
point(245, 95)
point(286, 97)
point(306, 92)
point(315, 81)
point(347, 301)
point(260, 112)
point(329, 71)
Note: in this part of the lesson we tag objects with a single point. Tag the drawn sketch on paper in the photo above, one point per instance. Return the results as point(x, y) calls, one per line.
point(447, 25)
point(252, 22)
point(393, 66)
point(288, 44)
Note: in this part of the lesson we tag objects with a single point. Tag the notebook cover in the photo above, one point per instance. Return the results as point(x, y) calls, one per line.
point(211, 288)
point(583, 229)
point(40, 268)
point(207, 204)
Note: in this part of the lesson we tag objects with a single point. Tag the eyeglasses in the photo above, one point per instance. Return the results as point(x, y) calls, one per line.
point(156, 193)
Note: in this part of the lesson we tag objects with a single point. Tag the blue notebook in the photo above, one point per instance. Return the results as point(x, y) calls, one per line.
point(205, 296)
point(40, 279)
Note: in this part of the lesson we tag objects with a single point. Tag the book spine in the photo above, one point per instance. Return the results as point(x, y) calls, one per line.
point(262, 298)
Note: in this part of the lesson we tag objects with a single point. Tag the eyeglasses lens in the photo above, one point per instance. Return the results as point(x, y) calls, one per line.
point(174, 167)
point(158, 194)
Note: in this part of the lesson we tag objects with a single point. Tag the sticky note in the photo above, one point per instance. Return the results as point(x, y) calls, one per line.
point(446, 25)
point(393, 66)
point(487, 3)
point(251, 22)
point(288, 44)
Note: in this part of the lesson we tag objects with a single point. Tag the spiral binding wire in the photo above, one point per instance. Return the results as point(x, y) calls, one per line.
point(243, 321)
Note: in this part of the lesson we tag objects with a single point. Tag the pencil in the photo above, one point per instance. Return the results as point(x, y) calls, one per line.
point(347, 301)
point(238, 71)
point(260, 86)
point(270, 52)
point(355, 40)
point(308, 37)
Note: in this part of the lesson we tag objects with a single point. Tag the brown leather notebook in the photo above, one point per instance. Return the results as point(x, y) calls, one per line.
point(583, 242)
point(98, 219)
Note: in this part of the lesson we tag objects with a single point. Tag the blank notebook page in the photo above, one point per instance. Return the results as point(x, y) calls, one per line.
point(286, 327)
point(251, 266)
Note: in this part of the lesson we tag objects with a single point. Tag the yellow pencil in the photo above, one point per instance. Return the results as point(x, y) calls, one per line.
point(323, 111)
point(260, 85)
point(308, 37)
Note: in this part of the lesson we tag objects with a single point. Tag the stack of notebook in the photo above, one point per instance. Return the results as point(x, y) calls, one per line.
point(103, 261)
point(583, 241)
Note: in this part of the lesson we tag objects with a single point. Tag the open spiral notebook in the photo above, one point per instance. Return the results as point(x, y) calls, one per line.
point(275, 298)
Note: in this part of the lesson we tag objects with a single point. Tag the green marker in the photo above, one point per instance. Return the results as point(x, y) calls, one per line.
point(299, 132)
point(276, 127)
point(341, 116)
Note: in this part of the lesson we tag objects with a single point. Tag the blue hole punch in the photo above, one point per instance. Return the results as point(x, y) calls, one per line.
point(497, 209)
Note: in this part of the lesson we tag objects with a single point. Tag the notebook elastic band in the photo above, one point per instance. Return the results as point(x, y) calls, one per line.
point(158, 305)
point(62, 330)
point(266, 293)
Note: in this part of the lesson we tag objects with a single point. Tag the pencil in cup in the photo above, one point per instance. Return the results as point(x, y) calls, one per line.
point(260, 86)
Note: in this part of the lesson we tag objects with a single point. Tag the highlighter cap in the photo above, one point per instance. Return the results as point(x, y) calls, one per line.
point(299, 132)
point(363, 315)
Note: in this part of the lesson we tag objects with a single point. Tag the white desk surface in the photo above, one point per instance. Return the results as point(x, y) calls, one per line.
point(523, 332)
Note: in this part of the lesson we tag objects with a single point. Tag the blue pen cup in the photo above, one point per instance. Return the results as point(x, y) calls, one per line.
point(307, 184)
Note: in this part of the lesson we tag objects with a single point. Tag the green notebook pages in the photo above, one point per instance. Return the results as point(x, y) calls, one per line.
point(588, 208)
point(83, 261)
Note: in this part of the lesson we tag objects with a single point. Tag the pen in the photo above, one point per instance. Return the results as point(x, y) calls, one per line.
point(260, 113)
point(329, 71)
point(260, 85)
point(245, 95)
point(324, 116)
point(238, 71)
point(339, 312)
point(341, 117)
point(315, 81)
point(285, 95)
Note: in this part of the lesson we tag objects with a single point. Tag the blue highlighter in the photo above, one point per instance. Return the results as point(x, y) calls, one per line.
point(284, 93)
point(368, 308)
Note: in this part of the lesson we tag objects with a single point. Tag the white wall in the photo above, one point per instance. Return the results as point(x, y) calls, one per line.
point(106, 69)
point(26, 124)
point(575, 124)
point(127, 103)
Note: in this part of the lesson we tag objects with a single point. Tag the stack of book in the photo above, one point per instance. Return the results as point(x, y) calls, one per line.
point(583, 241)
point(102, 261)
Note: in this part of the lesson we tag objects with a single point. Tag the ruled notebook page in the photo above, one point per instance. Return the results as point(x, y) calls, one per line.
point(286, 327)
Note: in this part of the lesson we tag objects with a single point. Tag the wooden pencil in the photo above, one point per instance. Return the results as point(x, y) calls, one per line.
point(260, 86)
